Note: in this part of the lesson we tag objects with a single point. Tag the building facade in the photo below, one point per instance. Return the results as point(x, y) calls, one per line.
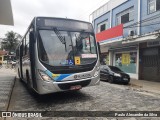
point(3, 55)
point(129, 35)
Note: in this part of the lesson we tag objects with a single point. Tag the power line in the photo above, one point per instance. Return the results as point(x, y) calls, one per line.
point(145, 25)
point(143, 21)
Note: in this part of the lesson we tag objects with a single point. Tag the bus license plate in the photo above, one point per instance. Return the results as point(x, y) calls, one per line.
point(77, 87)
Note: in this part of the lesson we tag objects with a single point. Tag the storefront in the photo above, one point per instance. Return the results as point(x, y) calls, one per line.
point(104, 58)
point(126, 59)
point(1, 60)
point(149, 68)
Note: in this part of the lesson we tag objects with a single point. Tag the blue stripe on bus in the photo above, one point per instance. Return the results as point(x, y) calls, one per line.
point(49, 73)
point(62, 76)
point(58, 77)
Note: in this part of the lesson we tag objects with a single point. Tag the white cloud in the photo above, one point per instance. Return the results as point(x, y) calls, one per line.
point(25, 10)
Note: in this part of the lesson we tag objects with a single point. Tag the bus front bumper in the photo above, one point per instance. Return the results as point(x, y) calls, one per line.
point(52, 87)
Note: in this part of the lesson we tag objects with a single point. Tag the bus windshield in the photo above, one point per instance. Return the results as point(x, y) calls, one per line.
point(61, 48)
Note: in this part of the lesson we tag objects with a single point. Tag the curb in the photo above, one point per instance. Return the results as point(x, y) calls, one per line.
point(141, 89)
point(10, 94)
point(9, 97)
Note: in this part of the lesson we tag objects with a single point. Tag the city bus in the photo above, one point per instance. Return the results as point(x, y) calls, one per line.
point(58, 54)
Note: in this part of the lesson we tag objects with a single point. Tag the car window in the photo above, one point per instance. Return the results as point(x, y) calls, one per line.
point(115, 69)
point(106, 67)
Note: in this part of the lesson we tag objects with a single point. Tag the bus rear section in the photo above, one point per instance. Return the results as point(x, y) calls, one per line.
point(63, 55)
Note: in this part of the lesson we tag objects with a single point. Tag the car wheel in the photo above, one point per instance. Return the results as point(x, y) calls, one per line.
point(110, 80)
point(107, 79)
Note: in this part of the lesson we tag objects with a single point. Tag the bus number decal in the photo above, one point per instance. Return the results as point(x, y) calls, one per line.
point(77, 60)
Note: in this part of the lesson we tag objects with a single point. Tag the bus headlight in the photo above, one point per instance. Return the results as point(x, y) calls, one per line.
point(96, 72)
point(44, 76)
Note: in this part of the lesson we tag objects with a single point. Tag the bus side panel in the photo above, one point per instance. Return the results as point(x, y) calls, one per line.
point(32, 50)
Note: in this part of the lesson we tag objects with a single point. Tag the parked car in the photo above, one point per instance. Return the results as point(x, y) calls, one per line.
point(113, 74)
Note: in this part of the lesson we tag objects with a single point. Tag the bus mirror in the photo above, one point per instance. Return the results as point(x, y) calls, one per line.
point(99, 48)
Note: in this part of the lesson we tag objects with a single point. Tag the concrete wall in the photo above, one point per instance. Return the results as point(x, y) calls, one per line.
point(124, 6)
point(101, 19)
point(152, 16)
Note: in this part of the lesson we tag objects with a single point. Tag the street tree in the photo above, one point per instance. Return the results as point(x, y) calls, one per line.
point(10, 41)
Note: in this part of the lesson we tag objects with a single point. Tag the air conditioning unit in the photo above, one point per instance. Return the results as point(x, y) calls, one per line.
point(131, 33)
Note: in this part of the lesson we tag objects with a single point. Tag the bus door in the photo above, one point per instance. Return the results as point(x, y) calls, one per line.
point(20, 61)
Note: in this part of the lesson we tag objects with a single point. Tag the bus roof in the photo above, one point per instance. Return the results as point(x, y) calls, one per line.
point(62, 24)
point(58, 18)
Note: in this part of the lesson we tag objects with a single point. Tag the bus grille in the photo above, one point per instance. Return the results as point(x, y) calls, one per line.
point(67, 86)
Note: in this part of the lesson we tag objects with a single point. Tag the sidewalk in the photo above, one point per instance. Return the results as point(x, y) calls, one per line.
point(146, 85)
point(7, 78)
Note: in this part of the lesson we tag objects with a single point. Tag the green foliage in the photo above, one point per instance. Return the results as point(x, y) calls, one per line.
point(11, 41)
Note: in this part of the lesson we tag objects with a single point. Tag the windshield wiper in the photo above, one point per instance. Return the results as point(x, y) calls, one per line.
point(61, 38)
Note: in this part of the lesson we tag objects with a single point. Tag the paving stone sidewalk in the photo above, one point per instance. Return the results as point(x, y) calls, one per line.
point(144, 85)
point(7, 78)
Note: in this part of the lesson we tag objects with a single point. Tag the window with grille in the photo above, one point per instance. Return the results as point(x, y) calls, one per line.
point(102, 26)
point(125, 16)
point(153, 6)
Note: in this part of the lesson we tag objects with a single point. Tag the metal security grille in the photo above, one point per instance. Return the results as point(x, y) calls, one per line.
point(151, 64)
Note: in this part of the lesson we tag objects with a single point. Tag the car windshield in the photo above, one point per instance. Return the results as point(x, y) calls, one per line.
point(115, 69)
point(59, 48)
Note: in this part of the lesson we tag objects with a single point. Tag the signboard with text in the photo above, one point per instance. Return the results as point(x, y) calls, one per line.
point(126, 58)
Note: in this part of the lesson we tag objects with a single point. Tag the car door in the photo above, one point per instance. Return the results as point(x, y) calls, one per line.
point(106, 72)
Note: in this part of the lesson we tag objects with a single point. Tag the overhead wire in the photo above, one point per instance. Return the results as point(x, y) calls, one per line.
point(143, 21)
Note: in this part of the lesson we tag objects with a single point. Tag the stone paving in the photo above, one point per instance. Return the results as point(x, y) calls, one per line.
point(105, 97)
point(7, 77)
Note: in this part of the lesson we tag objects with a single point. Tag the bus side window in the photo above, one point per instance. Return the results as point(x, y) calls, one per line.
point(17, 53)
point(27, 45)
point(21, 50)
point(23, 47)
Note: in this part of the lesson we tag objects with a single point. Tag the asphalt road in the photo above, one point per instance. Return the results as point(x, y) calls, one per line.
point(105, 97)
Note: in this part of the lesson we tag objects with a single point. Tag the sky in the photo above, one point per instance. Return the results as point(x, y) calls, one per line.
point(25, 10)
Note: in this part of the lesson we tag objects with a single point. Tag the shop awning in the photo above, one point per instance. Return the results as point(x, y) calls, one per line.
point(6, 15)
point(143, 38)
